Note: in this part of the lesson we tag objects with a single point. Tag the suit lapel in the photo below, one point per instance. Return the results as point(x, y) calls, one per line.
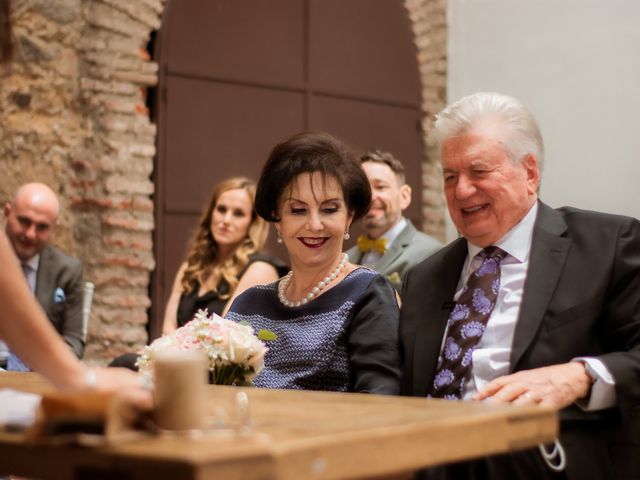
point(355, 255)
point(434, 310)
point(399, 245)
point(548, 254)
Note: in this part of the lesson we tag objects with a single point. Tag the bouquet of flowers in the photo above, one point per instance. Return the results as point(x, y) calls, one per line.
point(235, 354)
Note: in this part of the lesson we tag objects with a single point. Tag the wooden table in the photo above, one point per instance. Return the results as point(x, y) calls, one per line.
point(296, 435)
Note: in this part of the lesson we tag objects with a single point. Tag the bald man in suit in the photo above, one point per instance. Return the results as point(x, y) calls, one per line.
point(54, 277)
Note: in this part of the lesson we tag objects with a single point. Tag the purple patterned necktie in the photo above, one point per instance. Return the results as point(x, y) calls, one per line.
point(467, 323)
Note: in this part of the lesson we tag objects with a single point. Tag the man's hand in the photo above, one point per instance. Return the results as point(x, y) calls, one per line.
point(556, 386)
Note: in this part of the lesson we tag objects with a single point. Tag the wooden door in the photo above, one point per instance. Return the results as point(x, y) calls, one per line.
point(239, 76)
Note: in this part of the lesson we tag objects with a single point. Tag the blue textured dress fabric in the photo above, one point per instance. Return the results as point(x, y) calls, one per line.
point(344, 340)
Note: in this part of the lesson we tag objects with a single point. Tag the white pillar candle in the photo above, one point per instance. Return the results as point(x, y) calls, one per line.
point(180, 380)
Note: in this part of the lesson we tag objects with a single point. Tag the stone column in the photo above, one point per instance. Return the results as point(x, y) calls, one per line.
point(428, 19)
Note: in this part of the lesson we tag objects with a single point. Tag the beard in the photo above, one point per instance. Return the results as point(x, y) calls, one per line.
point(377, 221)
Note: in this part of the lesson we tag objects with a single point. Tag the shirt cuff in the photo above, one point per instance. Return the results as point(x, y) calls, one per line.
point(603, 389)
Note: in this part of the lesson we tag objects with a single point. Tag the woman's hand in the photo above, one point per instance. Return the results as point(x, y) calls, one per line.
point(124, 382)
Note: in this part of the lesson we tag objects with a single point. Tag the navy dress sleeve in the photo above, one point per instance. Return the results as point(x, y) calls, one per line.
point(373, 340)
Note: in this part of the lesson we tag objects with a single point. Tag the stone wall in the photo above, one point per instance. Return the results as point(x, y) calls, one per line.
point(73, 115)
point(41, 124)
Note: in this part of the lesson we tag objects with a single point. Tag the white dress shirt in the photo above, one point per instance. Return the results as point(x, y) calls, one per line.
point(491, 356)
point(31, 272)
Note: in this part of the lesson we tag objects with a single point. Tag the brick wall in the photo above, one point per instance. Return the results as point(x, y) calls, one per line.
point(112, 173)
point(73, 115)
point(428, 19)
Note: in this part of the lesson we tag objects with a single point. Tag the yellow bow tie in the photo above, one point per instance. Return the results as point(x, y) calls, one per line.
point(365, 244)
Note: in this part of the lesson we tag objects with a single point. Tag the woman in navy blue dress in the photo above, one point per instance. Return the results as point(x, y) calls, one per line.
point(336, 323)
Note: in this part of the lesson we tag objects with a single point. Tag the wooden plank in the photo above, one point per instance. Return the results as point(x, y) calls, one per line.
point(295, 435)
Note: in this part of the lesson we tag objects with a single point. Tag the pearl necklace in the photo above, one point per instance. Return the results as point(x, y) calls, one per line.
point(284, 284)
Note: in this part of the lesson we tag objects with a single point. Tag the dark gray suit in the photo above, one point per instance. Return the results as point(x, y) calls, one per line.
point(59, 290)
point(581, 298)
point(408, 249)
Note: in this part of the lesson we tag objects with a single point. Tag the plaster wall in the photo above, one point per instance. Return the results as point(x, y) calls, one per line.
point(576, 65)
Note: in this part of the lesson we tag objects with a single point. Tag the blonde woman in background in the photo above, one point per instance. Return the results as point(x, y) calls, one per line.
point(224, 258)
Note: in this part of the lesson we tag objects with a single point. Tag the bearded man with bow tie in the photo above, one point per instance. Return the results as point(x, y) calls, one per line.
point(391, 245)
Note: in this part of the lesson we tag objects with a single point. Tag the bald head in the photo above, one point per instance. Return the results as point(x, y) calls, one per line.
point(30, 219)
point(40, 196)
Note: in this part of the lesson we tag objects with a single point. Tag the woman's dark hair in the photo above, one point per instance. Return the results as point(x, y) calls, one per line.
point(310, 153)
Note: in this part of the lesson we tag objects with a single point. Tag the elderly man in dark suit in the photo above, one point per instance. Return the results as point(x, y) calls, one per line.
point(533, 305)
point(54, 277)
point(392, 245)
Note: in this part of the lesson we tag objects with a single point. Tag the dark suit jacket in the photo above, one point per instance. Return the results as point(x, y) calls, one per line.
point(59, 289)
point(408, 249)
point(581, 298)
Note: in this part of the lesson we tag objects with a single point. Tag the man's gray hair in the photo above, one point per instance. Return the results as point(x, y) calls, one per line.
point(522, 134)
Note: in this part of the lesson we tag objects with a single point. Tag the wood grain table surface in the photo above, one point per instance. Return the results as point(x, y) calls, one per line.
point(294, 435)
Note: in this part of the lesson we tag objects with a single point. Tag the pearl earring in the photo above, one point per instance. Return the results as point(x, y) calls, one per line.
point(279, 238)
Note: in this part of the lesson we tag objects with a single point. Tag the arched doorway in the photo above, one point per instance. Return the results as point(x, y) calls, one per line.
point(238, 76)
